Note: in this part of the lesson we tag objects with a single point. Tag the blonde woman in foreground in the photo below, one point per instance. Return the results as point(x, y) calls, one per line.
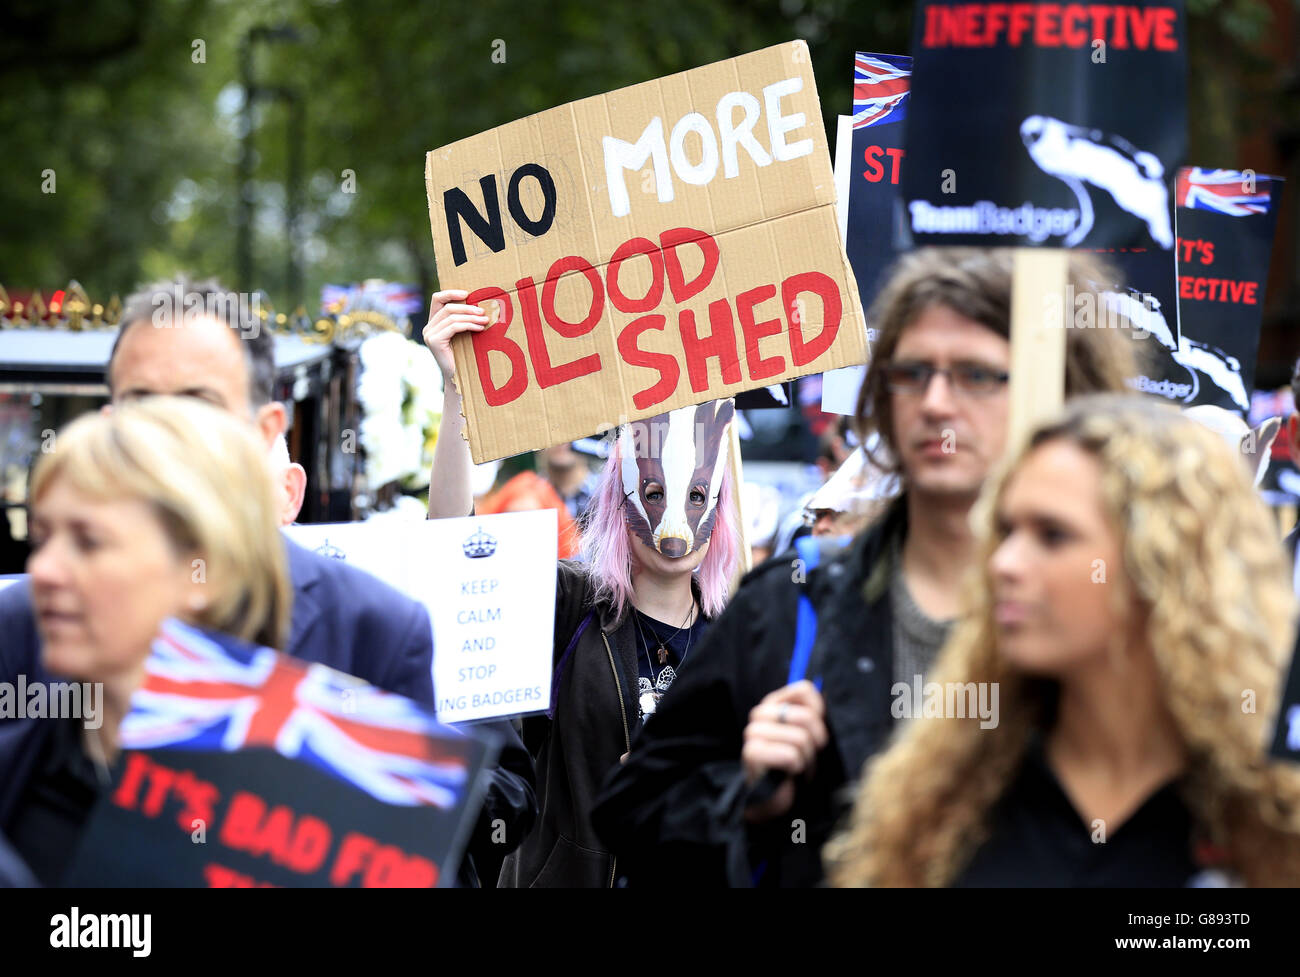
point(1134, 617)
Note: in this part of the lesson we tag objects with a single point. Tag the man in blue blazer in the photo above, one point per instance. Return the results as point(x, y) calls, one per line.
point(342, 616)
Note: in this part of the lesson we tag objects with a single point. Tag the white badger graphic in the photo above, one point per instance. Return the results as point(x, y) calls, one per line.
point(1222, 370)
point(1076, 155)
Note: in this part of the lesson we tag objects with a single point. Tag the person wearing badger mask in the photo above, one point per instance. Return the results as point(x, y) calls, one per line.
point(659, 551)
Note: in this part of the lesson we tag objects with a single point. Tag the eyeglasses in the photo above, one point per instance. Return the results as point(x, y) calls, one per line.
point(914, 376)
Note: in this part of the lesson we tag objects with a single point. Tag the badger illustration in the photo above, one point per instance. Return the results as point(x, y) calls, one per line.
point(1198, 359)
point(1076, 155)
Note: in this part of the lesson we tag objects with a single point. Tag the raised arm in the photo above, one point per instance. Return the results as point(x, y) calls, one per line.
point(449, 478)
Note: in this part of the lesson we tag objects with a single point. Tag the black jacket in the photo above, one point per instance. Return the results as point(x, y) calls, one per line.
point(674, 813)
point(594, 714)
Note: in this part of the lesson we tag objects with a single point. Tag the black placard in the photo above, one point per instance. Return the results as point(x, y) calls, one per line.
point(881, 93)
point(1048, 124)
point(251, 818)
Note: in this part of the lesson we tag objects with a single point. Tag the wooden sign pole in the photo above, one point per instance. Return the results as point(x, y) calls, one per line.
point(734, 465)
point(1037, 339)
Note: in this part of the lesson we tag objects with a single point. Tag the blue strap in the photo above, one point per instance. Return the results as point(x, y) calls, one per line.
point(805, 627)
point(564, 663)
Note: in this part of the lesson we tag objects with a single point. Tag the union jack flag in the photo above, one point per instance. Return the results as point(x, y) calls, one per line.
point(1224, 191)
point(880, 86)
point(207, 691)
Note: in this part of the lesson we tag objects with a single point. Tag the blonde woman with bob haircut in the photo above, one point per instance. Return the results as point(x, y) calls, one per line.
point(1134, 614)
point(163, 508)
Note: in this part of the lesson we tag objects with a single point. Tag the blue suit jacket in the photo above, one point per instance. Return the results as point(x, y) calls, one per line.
point(342, 617)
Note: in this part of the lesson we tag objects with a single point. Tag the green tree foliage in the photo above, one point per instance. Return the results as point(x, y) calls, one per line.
point(144, 138)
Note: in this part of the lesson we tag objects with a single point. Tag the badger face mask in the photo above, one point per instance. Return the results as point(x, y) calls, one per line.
point(672, 467)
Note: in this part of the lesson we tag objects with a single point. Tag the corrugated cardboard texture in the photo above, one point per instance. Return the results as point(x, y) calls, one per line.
point(774, 227)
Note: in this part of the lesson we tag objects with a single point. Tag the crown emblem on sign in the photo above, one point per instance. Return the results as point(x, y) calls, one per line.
point(333, 552)
point(479, 545)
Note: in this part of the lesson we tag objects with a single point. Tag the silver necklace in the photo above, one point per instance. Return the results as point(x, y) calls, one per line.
point(649, 694)
point(663, 644)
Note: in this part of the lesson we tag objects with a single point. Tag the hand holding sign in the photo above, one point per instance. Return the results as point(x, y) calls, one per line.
point(654, 248)
point(449, 316)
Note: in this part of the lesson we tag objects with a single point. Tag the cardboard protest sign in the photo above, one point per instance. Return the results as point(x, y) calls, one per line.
point(486, 581)
point(656, 247)
point(1046, 124)
point(242, 767)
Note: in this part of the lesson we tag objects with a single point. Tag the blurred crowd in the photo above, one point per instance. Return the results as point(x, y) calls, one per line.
point(959, 660)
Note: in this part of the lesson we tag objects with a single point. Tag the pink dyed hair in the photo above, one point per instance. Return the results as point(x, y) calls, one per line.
point(608, 553)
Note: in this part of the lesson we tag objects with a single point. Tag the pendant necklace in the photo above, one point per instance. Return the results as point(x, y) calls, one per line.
point(662, 653)
point(649, 694)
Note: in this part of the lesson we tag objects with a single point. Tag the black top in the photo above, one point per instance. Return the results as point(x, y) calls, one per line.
point(51, 814)
point(1037, 838)
point(656, 672)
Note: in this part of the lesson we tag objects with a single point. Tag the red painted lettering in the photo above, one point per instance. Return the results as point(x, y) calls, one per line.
point(309, 846)
point(1072, 31)
point(759, 368)
point(874, 172)
point(995, 20)
point(669, 371)
point(1120, 39)
point(1022, 15)
point(126, 795)
point(493, 340)
point(638, 245)
point(1166, 21)
point(896, 156)
point(670, 241)
point(823, 286)
point(547, 374)
point(595, 309)
point(1100, 15)
point(160, 784)
point(720, 344)
point(244, 814)
point(353, 855)
point(1045, 25)
point(1144, 23)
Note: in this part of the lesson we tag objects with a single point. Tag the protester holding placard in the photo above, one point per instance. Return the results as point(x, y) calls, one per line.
point(1133, 609)
point(158, 510)
point(736, 781)
point(660, 549)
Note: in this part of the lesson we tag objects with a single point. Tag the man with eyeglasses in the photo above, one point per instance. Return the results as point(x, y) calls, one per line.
point(741, 775)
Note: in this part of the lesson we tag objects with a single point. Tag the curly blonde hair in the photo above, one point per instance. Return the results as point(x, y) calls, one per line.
point(1207, 576)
